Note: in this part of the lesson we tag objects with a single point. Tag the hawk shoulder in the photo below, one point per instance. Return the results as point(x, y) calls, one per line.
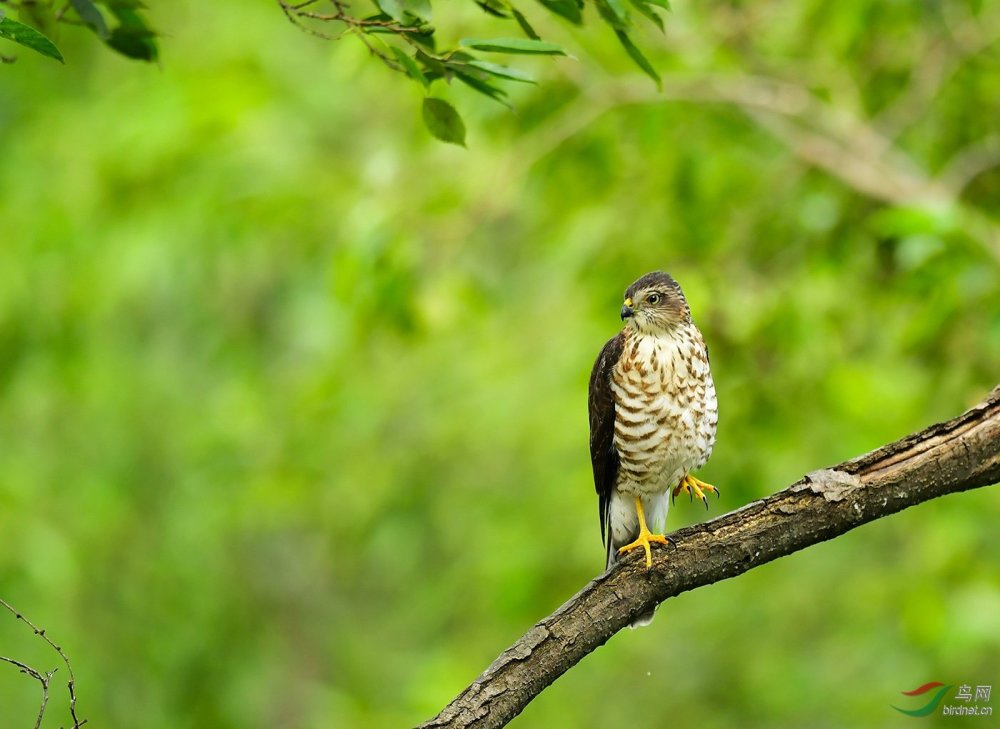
point(601, 402)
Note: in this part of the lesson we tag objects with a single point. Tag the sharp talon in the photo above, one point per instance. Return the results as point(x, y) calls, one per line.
point(694, 488)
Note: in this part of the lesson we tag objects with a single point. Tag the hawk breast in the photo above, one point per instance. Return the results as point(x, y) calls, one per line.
point(665, 409)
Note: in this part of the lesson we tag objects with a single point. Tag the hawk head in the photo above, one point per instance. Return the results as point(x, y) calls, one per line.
point(655, 304)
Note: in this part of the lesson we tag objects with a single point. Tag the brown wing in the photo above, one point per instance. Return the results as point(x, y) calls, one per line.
point(603, 456)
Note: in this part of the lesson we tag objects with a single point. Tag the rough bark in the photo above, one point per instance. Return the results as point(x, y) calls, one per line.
point(961, 454)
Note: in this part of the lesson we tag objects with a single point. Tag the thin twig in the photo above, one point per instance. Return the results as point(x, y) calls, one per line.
point(296, 12)
point(71, 684)
point(42, 678)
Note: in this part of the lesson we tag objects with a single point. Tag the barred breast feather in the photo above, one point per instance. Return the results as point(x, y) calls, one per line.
point(666, 410)
point(653, 421)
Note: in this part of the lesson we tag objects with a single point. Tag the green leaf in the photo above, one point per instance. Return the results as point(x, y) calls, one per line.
point(129, 16)
point(443, 122)
point(133, 44)
point(571, 10)
point(433, 68)
point(411, 67)
point(615, 14)
point(460, 56)
point(526, 46)
point(494, 69)
point(28, 37)
point(493, 7)
point(637, 56)
point(91, 17)
point(483, 87)
point(132, 38)
point(525, 25)
point(419, 8)
point(422, 37)
point(665, 4)
point(406, 10)
point(644, 9)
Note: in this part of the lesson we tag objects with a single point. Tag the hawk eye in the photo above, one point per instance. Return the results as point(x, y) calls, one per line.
point(654, 299)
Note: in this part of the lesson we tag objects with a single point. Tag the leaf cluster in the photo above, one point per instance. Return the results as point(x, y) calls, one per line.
point(119, 24)
point(402, 35)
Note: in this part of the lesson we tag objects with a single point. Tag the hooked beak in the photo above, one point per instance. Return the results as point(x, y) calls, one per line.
point(627, 310)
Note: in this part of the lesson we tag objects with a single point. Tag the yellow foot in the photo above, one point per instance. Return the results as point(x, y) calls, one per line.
point(693, 487)
point(645, 539)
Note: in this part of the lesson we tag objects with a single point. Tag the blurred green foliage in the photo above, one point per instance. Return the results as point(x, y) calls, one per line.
point(293, 398)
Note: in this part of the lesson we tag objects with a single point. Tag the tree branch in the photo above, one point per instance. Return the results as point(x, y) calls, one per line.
point(959, 455)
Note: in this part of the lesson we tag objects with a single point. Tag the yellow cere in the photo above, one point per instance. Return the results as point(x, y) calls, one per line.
point(628, 302)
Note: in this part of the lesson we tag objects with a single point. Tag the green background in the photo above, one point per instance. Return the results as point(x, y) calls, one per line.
point(293, 421)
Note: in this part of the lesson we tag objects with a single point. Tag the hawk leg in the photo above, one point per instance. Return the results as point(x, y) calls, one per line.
point(645, 537)
point(694, 487)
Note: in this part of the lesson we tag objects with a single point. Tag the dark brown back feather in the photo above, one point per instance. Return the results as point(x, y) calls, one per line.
point(603, 455)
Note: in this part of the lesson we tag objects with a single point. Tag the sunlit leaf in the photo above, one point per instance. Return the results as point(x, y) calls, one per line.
point(28, 37)
point(443, 122)
point(915, 219)
point(404, 10)
point(527, 46)
point(412, 69)
point(495, 69)
point(460, 56)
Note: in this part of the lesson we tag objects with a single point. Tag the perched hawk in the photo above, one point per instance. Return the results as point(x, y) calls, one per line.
point(653, 415)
